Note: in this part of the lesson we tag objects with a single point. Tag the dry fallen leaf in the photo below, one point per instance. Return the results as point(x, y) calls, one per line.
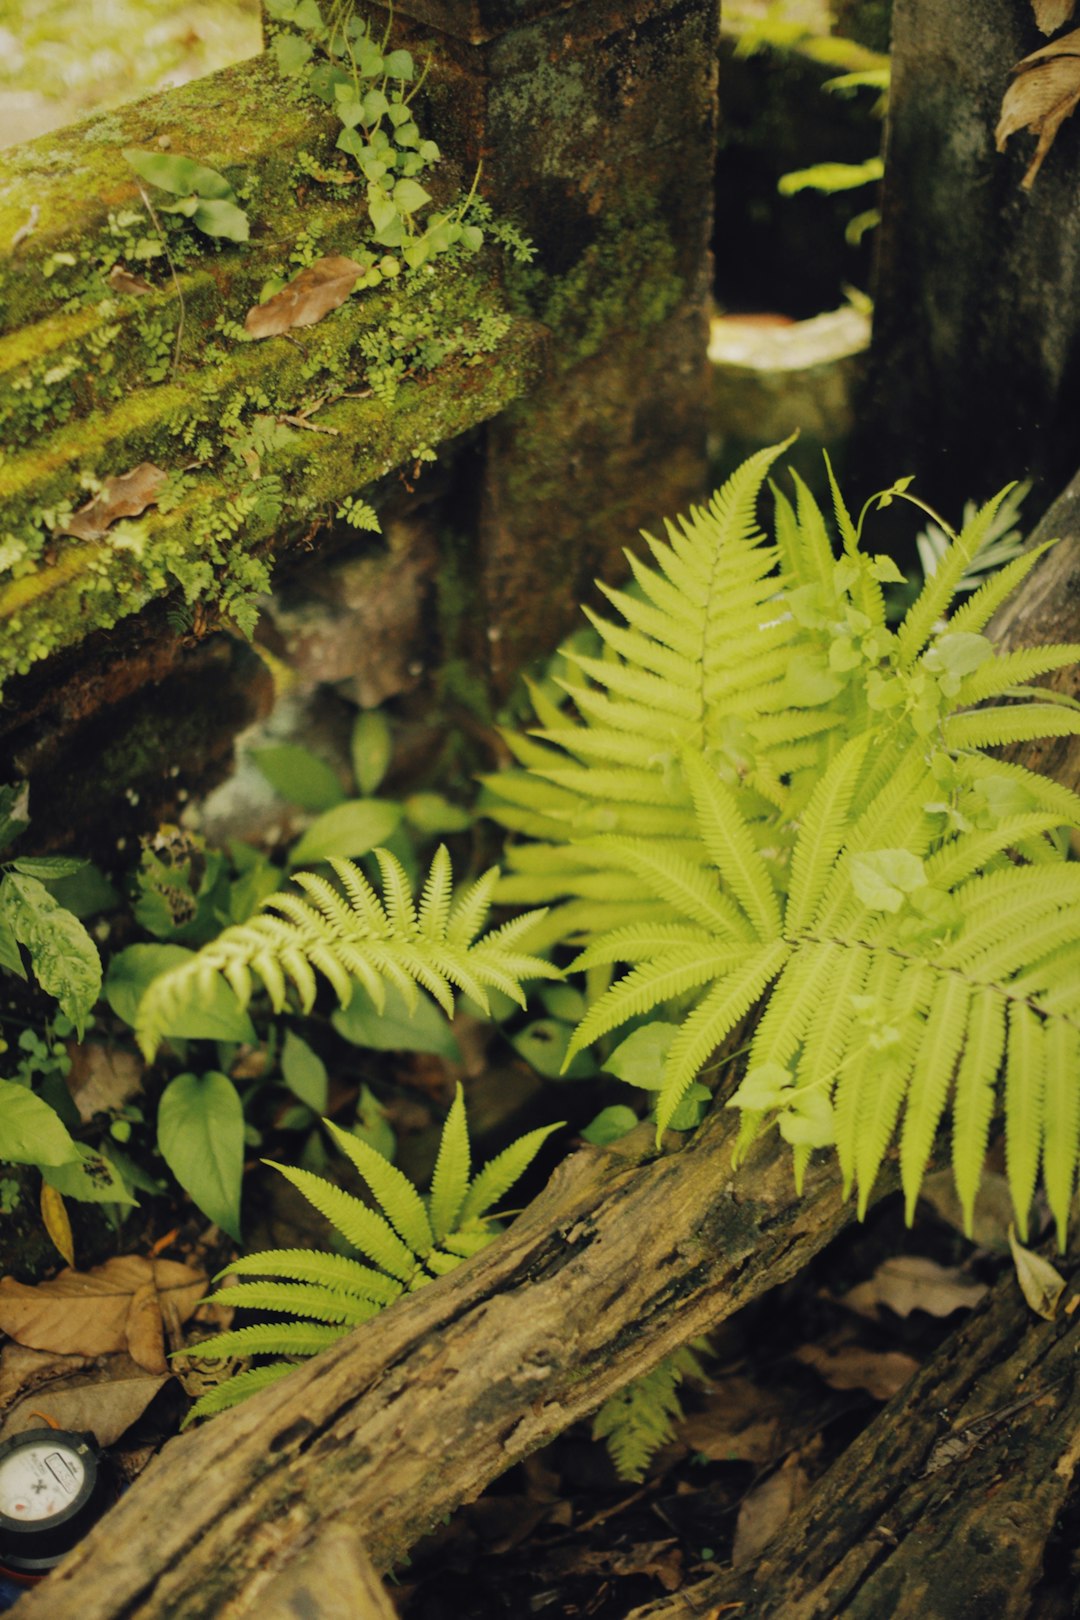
point(848, 1366)
point(1042, 1286)
point(1044, 93)
point(125, 496)
point(323, 286)
point(740, 1422)
point(55, 1216)
point(1050, 15)
point(123, 281)
point(104, 1396)
point(116, 1306)
point(102, 1078)
point(764, 1510)
point(910, 1282)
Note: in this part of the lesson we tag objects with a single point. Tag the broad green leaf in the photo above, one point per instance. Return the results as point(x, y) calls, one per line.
point(293, 53)
point(47, 867)
point(396, 1029)
point(882, 878)
point(831, 177)
point(201, 1137)
point(544, 1044)
point(64, 957)
point(304, 1072)
point(373, 1126)
point(640, 1059)
point(30, 1132)
point(409, 194)
point(10, 960)
point(180, 175)
point(215, 1015)
point(610, 1124)
point(219, 217)
point(431, 813)
point(86, 893)
point(299, 776)
point(398, 65)
point(350, 829)
point(371, 747)
point(90, 1178)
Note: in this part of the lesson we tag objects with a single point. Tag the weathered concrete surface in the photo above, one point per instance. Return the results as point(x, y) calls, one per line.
point(976, 359)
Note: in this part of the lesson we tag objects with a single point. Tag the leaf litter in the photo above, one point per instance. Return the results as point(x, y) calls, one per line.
point(1044, 93)
point(127, 495)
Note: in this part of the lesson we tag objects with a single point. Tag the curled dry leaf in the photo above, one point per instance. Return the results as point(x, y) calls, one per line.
point(102, 1078)
point(124, 281)
point(1050, 15)
point(848, 1366)
point(104, 1396)
point(1042, 1286)
point(1044, 93)
point(116, 1306)
point(911, 1282)
point(323, 286)
point(126, 496)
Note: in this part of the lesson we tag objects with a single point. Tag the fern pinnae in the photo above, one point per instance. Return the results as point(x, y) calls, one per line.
point(490, 1187)
point(231, 1391)
point(814, 543)
point(730, 998)
point(663, 978)
point(641, 942)
point(393, 1192)
point(821, 834)
point(973, 1101)
point(328, 1305)
point(397, 896)
point(362, 898)
point(450, 1182)
point(967, 853)
point(881, 1101)
point(363, 1228)
point(671, 877)
point(336, 1271)
point(468, 913)
point(270, 1339)
point(980, 607)
point(997, 676)
point(1025, 1083)
point(728, 841)
point(793, 1004)
point(992, 728)
point(1061, 1121)
point(853, 1070)
point(643, 651)
point(436, 896)
point(942, 1040)
point(933, 600)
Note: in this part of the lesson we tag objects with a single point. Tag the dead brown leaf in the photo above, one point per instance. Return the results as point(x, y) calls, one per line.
point(1044, 93)
point(104, 1396)
point(123, 281)
point(125, 496)
point(911, 1282)
point(1050, 15)
point(848, 1366)
point(1040, 1283)
point(765, 1509)
point(116, 1306)
point(102, 1078)
point(323, 286)
point(739, 1423)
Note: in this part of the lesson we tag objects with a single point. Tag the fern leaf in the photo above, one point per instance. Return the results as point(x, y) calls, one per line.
point(997, 675)
point(675, 880)
point(815, 553)
point(799, 993)
point(661, 979)
point(393, 1192)
point(271, 1339)
point(731, 847)
point(822, 833)
point(363, 1228)
point(334, 1271)
point(231, 1391)
point(1025, 1078)
point(642, 941)
point(451, 1179)
point(641, 1417)
point(397, 897)
point(856, 1073)
point(500, 1174)
point(328, 1305)
point(1061, 1124)
point(880, 1103)
point(435, 901)
point(938, 591)
point(468, 914)
point(939, 1048)
point(974, 1104)
point(989, 728)
point(982, 604)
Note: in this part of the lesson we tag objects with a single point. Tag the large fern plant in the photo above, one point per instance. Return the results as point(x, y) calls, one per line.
point(397, 1246)
point(769, 800)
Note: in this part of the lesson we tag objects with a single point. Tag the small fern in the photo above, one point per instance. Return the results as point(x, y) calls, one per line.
point(641, 1418)
point(402, 1243)
point(350, 936)
point(770, 800)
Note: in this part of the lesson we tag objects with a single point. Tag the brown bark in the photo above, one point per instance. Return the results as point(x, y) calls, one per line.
point(944, 1506)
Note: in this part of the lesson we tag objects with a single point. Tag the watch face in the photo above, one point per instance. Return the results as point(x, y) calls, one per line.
point(40, 1481)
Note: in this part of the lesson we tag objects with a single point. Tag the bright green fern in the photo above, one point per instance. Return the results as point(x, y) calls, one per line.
point(350, 936)
point(772, 802)
point(641, 1418)
point(401, 1244)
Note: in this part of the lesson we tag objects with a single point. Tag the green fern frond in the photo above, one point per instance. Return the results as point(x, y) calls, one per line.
point(352, 937)
point(412, 1240)
point(937, 593)
point(641, 1418)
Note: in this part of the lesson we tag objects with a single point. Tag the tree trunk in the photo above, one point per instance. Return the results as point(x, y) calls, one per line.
point(945, 1505)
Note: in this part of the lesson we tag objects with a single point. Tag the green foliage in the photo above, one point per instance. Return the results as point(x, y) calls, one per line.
point(202, 195)
point(397, 1247)
point(770, 800)
point(641, 1418)
point(201, 1137)
point(351, 937)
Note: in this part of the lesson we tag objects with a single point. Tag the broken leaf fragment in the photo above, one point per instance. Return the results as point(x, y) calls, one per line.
point(1040, 1284)
point(1044, 93)
point(1050, 15)
point(123, 281)
point(125, 496)
point(322, 287)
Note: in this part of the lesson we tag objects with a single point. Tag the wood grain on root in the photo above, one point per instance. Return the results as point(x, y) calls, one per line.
point(612, 1267)
point(945, 1504)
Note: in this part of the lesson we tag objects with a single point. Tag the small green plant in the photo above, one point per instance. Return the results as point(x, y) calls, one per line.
point(202, 195)
point(405, 1242)
point(641, 1417)
point(773, 804)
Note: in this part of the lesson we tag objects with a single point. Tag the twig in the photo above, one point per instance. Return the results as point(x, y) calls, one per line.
point(175, 277)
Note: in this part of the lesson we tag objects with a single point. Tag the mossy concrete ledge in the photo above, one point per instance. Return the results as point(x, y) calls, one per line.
point(261, 441)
